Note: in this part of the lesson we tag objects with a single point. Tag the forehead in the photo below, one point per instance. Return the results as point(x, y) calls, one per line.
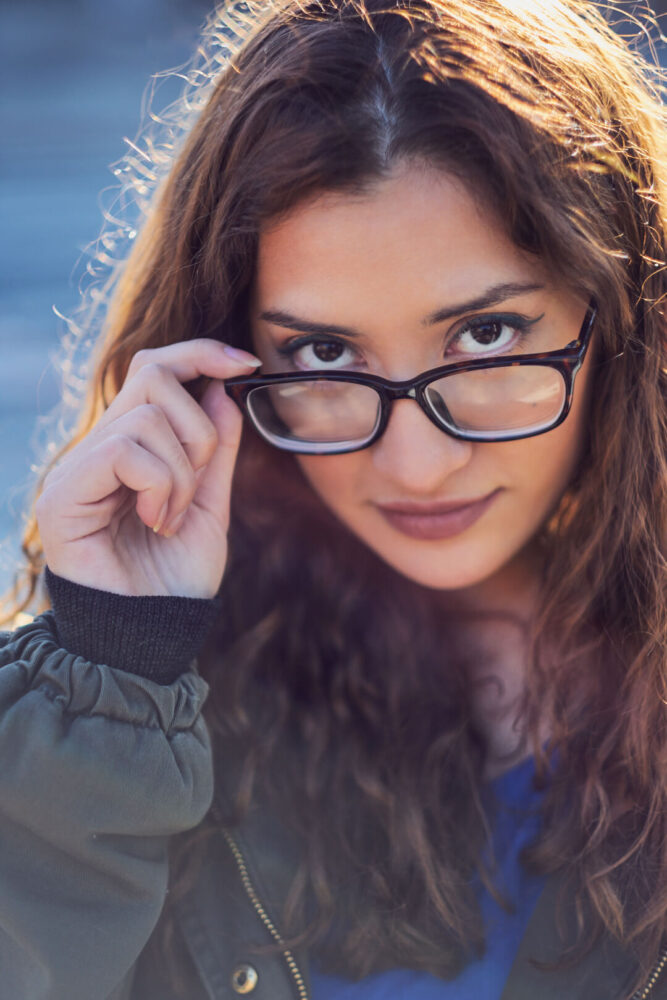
point(411, 243)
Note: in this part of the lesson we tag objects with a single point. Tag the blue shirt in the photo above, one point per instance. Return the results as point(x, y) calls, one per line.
point(516, 823)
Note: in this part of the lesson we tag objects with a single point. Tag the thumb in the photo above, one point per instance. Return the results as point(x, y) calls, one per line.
point(214, 490)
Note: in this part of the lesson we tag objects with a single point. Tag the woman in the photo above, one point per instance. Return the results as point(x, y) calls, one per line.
point(429, 610)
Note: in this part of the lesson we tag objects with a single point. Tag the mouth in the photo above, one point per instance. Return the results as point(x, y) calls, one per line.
point(433, 521)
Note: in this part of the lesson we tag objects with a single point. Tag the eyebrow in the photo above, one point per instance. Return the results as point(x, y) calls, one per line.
point(491, 297)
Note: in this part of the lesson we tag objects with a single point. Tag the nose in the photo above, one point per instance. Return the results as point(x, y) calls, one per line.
point(416, 455)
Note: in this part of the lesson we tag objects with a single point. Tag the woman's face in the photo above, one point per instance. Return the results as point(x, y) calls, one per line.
point(378, 267)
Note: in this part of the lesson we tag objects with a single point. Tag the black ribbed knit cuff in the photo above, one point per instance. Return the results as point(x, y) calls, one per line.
point(155, 637)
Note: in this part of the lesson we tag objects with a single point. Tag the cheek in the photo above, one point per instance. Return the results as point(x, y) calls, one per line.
point(546, 464)
point(543, 466)
point(333, 477)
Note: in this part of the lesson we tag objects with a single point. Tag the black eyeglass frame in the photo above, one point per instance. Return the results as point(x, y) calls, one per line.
point(567, 361)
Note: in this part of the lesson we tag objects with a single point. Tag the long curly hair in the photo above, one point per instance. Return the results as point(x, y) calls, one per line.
point(335, 674)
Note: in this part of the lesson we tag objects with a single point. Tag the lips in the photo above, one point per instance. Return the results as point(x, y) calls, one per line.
point(432, 521)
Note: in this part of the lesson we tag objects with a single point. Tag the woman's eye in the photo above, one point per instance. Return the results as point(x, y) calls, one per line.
point(493, 336)
point(318, 354)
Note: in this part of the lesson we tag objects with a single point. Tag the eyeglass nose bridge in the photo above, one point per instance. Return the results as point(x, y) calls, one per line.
point(401, 392)
point(408, 390)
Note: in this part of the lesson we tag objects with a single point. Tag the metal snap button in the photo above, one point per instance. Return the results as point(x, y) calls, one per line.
point(244, 978)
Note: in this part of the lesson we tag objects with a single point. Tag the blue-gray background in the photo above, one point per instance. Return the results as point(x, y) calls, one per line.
point(72, 76)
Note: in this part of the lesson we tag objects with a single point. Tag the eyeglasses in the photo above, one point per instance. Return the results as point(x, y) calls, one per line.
point(489, 399)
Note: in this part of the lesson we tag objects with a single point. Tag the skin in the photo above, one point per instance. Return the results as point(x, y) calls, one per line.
point(416, 243)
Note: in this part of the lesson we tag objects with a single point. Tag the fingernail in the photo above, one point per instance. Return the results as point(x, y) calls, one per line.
point(161, 516)
point(243, 357)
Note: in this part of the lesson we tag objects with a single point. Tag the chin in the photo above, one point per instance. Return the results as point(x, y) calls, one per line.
point(444, 570)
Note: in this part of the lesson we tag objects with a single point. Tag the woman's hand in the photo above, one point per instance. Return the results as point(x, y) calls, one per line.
point(141, 505)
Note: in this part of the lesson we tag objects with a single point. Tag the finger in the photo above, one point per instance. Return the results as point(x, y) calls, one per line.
point(148, 426)
point(95, 479)
point(188, 359)
point(160, 385)
point(213, 492)
point(157, 386)
point(152, 381)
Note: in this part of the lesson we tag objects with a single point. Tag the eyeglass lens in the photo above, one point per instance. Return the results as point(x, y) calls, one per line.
point(490, 402)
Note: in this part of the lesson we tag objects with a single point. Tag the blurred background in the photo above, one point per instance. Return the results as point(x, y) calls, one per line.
point(73, 73)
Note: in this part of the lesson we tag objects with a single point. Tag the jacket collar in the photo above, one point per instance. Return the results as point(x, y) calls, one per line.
point(604, 974)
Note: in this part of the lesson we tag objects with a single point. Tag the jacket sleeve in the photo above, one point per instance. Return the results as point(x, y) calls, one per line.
point(98, 768)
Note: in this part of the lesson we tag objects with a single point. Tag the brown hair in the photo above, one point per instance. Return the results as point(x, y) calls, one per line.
point(329, 655)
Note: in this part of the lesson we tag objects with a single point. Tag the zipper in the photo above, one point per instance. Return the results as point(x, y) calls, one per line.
point(295, 972)
point(302, 992)
point(656, 972)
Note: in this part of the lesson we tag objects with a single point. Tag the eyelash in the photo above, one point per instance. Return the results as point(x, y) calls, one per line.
point(521, 324)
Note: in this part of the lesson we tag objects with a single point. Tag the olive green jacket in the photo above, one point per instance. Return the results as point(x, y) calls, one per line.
point(103, 774)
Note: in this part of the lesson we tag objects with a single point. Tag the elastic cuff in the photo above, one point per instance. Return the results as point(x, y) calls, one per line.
point(155, 637)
